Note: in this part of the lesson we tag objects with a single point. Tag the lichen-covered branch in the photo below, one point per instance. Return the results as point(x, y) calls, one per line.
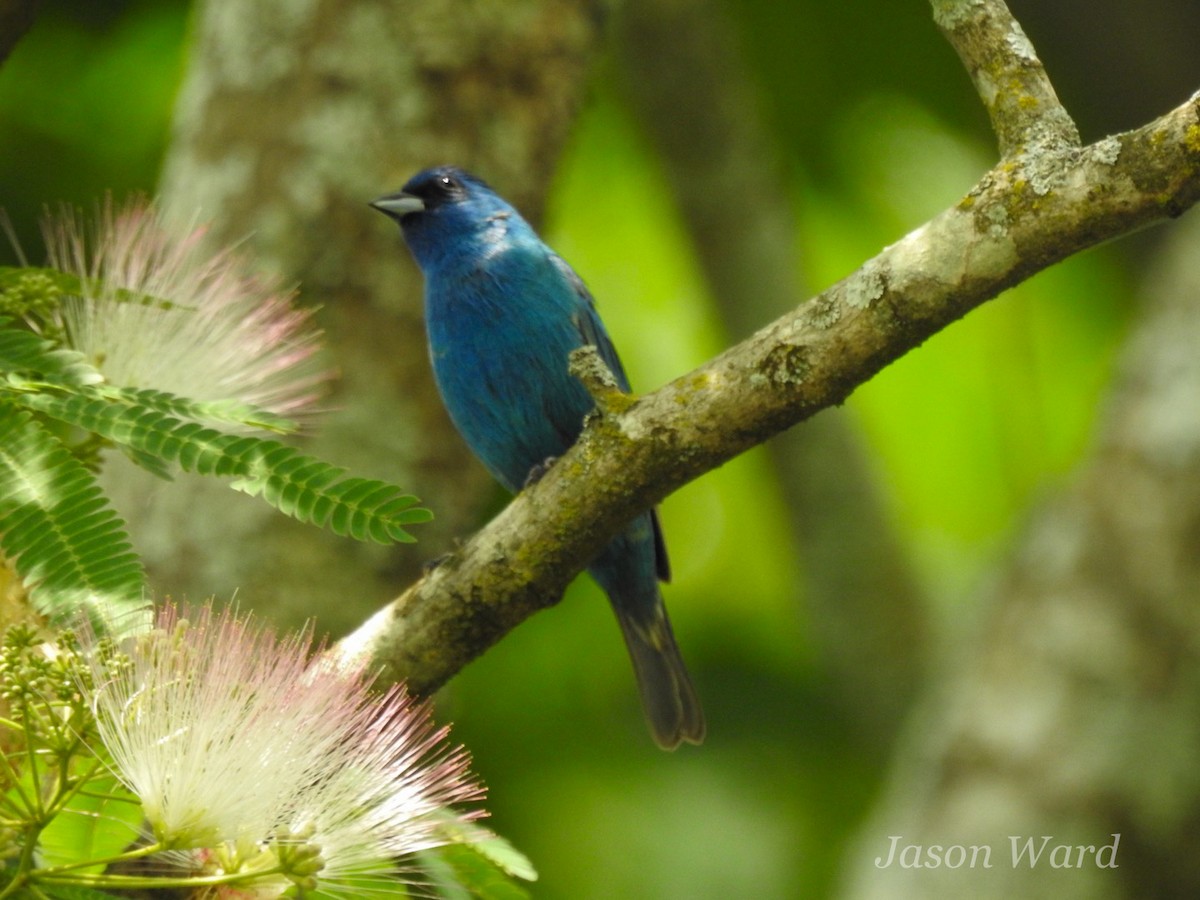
point(1023, 216)
point(1024, 109)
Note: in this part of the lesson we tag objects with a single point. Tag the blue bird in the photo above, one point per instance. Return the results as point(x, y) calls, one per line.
point(502, 313)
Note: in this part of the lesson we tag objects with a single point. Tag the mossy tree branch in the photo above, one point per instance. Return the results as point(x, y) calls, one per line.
point(1012, 83)
point(1044, 201)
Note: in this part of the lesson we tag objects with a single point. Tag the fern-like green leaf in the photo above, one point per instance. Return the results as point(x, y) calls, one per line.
point(57, 529)
point(476, 864)
point(217, 412)
point(23, 352)
point(298, 485)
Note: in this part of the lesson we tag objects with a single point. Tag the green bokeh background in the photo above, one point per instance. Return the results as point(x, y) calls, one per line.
point(879, 129)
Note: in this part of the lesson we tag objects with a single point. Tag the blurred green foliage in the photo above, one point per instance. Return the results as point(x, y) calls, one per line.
point(85, 102)
point(879, 129)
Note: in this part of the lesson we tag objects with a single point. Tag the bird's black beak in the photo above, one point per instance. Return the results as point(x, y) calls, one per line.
point(397, 206)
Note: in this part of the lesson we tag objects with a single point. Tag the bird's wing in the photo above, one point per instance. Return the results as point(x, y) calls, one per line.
point(592, 331)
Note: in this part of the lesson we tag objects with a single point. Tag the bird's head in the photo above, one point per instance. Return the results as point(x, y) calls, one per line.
point(447, 213)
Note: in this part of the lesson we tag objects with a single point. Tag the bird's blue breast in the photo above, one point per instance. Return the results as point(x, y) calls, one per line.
point(500, 330)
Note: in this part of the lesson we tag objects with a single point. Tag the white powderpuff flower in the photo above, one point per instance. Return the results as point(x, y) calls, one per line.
point(389, 799)
point(220, 335)
point(194, 703)
point(268, 767)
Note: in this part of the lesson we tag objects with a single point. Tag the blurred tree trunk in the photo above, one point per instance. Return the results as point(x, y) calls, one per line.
point(1074, 709)
point(292, 117)
point(686, 79)
point(16, 16)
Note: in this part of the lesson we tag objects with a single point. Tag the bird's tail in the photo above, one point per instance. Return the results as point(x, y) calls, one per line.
point(668, 698)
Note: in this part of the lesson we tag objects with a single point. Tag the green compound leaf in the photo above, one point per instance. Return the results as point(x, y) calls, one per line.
point(497, 850)
point(150, 426)
point(23, 351)
point(477, 864)
point(217, 412)
point(56, 527)
point(459, 872)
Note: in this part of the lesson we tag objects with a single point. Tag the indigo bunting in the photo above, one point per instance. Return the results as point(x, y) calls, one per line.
point(502, 313)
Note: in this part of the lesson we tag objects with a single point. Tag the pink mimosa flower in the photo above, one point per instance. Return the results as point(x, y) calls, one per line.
point(220, 335)
point(251, 757)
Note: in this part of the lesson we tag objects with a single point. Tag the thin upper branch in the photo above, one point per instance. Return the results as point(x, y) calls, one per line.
point(1014, 87)
point(1008, 227)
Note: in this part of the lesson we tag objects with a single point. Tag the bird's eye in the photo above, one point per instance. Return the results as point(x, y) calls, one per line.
point(438, 187)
